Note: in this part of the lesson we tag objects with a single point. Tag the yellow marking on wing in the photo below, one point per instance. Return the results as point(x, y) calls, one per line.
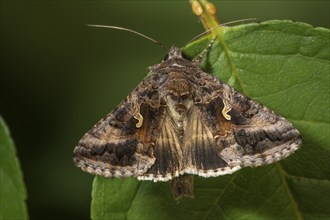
point(138, 117)
point(225, 110)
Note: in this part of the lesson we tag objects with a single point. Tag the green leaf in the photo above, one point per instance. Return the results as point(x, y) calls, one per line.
point(283, 65)
point(12, 190)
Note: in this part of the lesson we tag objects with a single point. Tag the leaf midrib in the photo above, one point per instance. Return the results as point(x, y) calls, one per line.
point(233, 67)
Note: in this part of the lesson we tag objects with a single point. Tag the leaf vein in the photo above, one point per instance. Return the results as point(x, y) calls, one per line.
point(133, 198)
point(240, 53)
point(216, 201)
point(310, 122)
point(283, 174)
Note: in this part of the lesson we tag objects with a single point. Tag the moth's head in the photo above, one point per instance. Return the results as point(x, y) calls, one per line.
point(173, 59)
point(174, 53)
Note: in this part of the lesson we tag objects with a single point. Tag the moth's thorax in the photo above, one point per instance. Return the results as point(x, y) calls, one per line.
point(178, 84)
point(179, 106)
point(179, 99)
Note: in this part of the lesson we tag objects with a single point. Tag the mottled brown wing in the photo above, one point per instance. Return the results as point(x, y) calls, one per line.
point(229, 131)
point(120, 145)
point(259, 135)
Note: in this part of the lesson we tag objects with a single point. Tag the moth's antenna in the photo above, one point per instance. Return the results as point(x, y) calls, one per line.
point(199, 58)
point(129, 30)
point(241, 21)
point(219, 25)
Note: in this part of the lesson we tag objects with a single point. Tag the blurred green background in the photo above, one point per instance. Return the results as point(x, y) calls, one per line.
point(59, 77)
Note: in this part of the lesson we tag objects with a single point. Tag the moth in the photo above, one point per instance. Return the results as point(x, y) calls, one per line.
point(181, 121)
